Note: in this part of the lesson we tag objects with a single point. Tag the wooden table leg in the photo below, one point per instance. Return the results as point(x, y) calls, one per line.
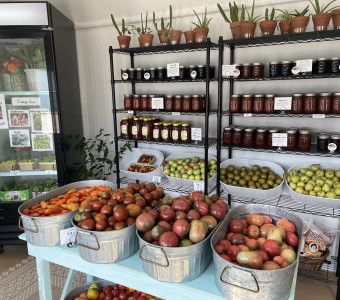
point(44, 279)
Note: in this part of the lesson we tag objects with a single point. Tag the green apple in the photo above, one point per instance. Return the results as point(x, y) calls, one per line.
point(172, 169)
point(212, 162)
point(189, 172)
point(242, 183)
point(315, 177)
point(326, 188)
point(329, 173)
point(337, 191)
point(295, 179)
point(317, 188)
point(315, 167)
point(300, 184)
point(223, 171)
point(213, 172)
point(197, 172)
point(255, 167)
point(174, 165)
point(292, 185)
point(231, 168)
point(192, 177)
point(195, 159)
point(304, 178)
point(293, 173)
point(321, 194)
point(312, 193)
point(308, 187)
point(187, 160)
point(167, 172)
point(337, 173)
point(170, 162)
point(320, 182)
point(299, 190)
point(180, 161)
point(331, 195)
point(243, 169)
point(278, 180)
point(312, 182)
point(179, 167)
point(309, 173)
point(320, 173)
point(303, 170)
point(330, 182)
point(198, 177)
point(185, 176)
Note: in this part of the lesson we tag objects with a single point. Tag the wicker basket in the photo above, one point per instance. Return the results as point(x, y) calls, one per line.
point(308, 263)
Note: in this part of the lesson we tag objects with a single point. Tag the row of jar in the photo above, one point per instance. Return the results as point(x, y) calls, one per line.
point(152, 129)
point(310, 103)
point(171, 103)
point(160, 73)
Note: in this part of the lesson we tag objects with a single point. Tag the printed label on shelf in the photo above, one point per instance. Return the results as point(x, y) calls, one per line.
point(176, 113)
point(283, 103)
point(279, 139)
point(156, 179)
point(196, 134)
point(305, 65)
point(49, 172)
point(332, 147)
point(26, 101)
point(319, 116)
point(14, 173)
point(157, 103)
point(67, 236)
point(199, 186)
point(248, 115)
point(172, 69)
point(130, 111)
point(230, 70)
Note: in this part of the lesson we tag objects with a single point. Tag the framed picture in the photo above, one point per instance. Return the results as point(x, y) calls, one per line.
point(41, 120)
point(19, 138)
point(42, 142)
point(19, 118)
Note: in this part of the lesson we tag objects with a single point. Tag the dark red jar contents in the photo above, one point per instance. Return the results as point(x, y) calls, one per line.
point(247, 104)
point(235, 104)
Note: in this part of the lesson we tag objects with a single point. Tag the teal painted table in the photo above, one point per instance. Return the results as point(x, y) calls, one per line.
point(128, 272)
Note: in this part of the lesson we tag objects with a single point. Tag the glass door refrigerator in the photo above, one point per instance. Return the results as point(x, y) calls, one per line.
point(40, 112)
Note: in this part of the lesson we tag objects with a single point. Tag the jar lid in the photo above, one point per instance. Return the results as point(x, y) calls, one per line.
point(246, 96)
point(228, 128)
point(304, 131)
point(178, 96)
point(274, 130)
point(192, 66)
point(249, 129)
point(160, 68)
point(175, 124)
point(144, 96)
point(145, 70)
point(128, 95)
point(258, 96)
point(257, 64)
point(152, 69)
point(152, 96)
point(237, 65)
point(185, 124)
point(139, 69)
point(136, 96)
point(270, 95)
point(125, 118)
point(131, 69)
point(203, 95)
point(201, 66)
point(297, 95)
point(325, 94)
point(195, 96)
point(262, 129)
point(322, 59)
point(246, 64)
point(169, 96)
point(336, 94)
point(335, 58)
point(287, 62)
point(335, 136)
point(235, 96)
point(123, 69)
point(186, 96)
point(182, 67)
point(291, 131)
point(323, 136)
point(238, 129)
point(136, 119)
point(310, 94)
point(274, 63)
point(156, 124)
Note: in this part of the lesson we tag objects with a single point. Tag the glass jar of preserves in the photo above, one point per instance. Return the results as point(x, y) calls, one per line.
point(176, 132)
point(261, 137)
point(237, 136)
point(166, 132)
point(309, 103)
point(257, 70)
point(146, 74)
point(246, 70)
point(247, 104)
point(136, 129)
point(157, 131)
point(152, 73)
point(160, 74)
point(201, 71)
point(336, 103)
point(136, 104)
point(203, 101)
point(182, 72)
point(150, 102)
point(132, 73)
point(169, 103)
point(193, 72)
point(124, 74)
point(144, 102)
point(323, 141)
point(125, 129)
point(178, 103)
point(128, 102)
point(146, 130)
point(291, 138)
point(186, 103)
point(297, 104)
point(139, 74)
point(269, 104)
point(286, 68)
point(304, 139)
point(274, 69)
point(238, 67)
point(248, 137)
point(186, 133)
point(321, 65)
point(196, 103)
point(227, 135)
point(325, 103)
point(270, 137)
point(258, 104)
point(335, 65)
point(235, 104)
point(335, 139)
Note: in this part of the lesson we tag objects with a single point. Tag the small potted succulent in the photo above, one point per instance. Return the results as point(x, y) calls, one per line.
point(336, 18)
point(299, 20)
point(234, 19)
point(269, 24)
point(248, 26)
point(284, 21)
point(123, 39)
point(201, 31)
point(145, 33)
point(322, 15)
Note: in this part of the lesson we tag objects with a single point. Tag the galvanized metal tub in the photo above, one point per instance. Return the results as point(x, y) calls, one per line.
point(83, 288)
point(45, 231)
point(236, 282)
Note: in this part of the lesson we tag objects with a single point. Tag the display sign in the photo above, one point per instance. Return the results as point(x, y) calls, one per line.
point(157, 103)
point(14, 173)
point(172, 69)
point(199, 186)
point(67, 236)
point(26, 101)
point(156, 179)
point(19, 118)
point(19, 138)
point(41, 120)
point(319, 116)
point(3, 113)
point(176, 113)
point(279, 139)
point(283, 103)
point(42, 142)
point(230, 71)
point(196, 134)
point(130, 111)
point(303, 66)
point(248, 115)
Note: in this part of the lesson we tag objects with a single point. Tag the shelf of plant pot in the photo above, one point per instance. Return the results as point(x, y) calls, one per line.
point(164, 81)
point(161, 112)
point(313, 151)
point(282, 114)
point(305, 37)
point(28, 173)
point(162, 49)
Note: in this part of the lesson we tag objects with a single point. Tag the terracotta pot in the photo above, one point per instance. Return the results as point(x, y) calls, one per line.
point(285, 27)
point(299, 24)
point(175, 37)
point(336, 18)
point(163, 36)
point(189, 36)
point(268, 27)
point(201, 34)
point(124, 41)
point(248, 29)
point(236, 30)
point(145, 40)
point(321, 21)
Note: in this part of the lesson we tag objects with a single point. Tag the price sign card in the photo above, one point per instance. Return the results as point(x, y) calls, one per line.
point(14, 173)
point(172, 69)
point(196, 134)
point(283, 103)
point(67, 236)
point(157, 103)
point(303, 66)
point(230, 70)
point(279, 139)
point(26, 101)
point(319, 116)
point(199, 186)
point(156, 179)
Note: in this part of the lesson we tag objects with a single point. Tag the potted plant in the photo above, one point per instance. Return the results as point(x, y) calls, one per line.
point(145, 33)
point(336, 18)
point(189, 36)
point(123, 39)
point(234, 20)
point(299, 20)
point(284, 21)
point(201, 31)
point(322, 15)
point(269, 24)
point(249, 25)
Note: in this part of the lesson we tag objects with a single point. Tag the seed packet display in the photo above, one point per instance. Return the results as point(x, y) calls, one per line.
point(19, 138)
point(42, 142)
point(19, 118)
point(3, 113)
point(41, 120)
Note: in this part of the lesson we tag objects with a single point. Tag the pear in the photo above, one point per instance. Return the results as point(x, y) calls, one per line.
point(315, 167)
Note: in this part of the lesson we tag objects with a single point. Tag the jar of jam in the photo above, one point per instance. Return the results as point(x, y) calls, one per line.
point(261, 137)
point(178, 103)
point(132, 74)
point(335, 139)
point(201, 71)
point(182, 72)
point(166, 132)
point(203, 101)
point(246, 71)
point(136, 102)
point(193, 72)
point(186, 103)
point(186, 133)
point(247, 104)
point(169, 103)
point(157, 131)
point(286, 68)
point(291, 138)
point(274, 69)
point(146, 74)
point(304, 140)
point(160, 74)
point(152, 73)
point(139, 74)
point(237, 137)
point(146, 130)
point(125, 128)
point(323, 141)
point(336, 103)
point(128, 102)
point(325, 103)
point(176, 132)
point(309, 103)
point(238, 67)
point(196, 103)
point(150, 102)
point(235, 104)
point(258, 104)
point(297, 104)
point(144, 102)
point(269, 104)
point(270, 137)
point(136, 129)
point(257, 70)
point(227, 135)
point(321, 65)
point(248, 137)
point(124, 74)
point(335, 65)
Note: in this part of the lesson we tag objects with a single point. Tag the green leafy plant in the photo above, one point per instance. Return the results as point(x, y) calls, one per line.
point(96, 154)
point(202, 22)
point(300, 13)
point(233, 12)
point(163, 26)
point(124, 29)
point(251, 17)
point(33, 56)
point(284, 16)
point(323, 8)
point(143, 29)
point(270, 16)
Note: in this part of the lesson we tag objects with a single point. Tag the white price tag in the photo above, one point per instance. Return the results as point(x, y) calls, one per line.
point(279, 139)
point(283, 103)
point(14, 173)
point(125, 76)
point(157, 103)
point(248, 115)
point(172, 69)
point(332, 147)
point(49, 172)
point(156, 179)
point(130, 111)
point(26, 101)
point(319, 116)
point(199, 186)
point(196, 134)
point(176, 113)
point(230, 70)
point(67, 235)
point(305, 65)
